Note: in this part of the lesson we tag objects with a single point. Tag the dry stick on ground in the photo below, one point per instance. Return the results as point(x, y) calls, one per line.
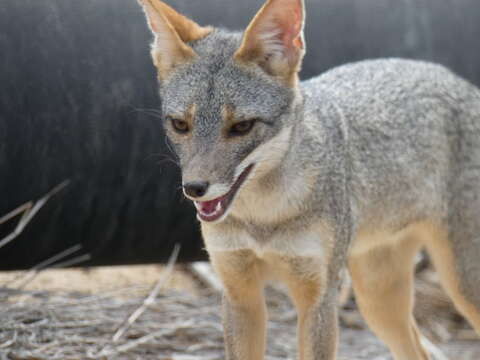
point(433, 349)
point(144, 339)
point(30, 274)
point(67, 263)
point(29, 210)
point(7, 343)
point(27, 277)
point(150, 299)
point(204, 273)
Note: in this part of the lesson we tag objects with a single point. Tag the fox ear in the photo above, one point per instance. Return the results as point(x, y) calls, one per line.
point(274, 39)
point(172, 31)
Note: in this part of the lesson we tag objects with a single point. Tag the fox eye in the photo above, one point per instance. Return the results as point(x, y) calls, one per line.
point(180, 126)
point(242, 127)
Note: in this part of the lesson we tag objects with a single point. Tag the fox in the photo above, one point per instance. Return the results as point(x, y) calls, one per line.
point(357, 169)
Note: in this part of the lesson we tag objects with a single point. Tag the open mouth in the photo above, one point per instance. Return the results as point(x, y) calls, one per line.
point(213, 210)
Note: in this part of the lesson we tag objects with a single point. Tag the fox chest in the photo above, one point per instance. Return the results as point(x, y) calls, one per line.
point(310, 241)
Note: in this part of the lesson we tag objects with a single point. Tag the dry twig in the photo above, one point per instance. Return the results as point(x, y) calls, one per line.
point(28, 211)
point(150, 299)
point(203, 272)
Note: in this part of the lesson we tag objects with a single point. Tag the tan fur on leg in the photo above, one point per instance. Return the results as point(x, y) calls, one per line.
point(440, 248)
point(243, 304)
point(383, 283)
point(316, 307)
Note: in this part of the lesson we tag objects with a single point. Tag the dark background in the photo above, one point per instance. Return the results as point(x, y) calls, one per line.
point(76, 81)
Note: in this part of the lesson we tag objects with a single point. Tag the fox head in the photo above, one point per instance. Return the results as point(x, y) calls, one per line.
point(229, 100)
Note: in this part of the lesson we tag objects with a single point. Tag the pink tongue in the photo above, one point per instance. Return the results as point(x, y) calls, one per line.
point(208, 207)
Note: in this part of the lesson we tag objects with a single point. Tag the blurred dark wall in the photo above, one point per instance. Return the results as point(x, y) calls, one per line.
point(76, 81)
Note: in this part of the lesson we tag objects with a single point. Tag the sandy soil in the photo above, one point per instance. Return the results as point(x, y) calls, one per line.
point(100, 279)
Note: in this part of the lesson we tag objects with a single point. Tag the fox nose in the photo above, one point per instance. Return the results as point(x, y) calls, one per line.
point(196, 189)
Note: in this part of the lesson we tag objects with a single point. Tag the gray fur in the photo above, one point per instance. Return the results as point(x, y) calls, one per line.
point(388, 142)
point(414, 148)
point(211, 82)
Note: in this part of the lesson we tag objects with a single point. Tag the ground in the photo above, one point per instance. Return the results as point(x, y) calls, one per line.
point(74, 314)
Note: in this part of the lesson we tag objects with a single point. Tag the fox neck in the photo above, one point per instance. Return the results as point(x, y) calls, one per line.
point(281, 181)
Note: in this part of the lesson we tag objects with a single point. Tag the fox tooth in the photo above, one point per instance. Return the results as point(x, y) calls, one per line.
point(218, 207)
point(197, 205)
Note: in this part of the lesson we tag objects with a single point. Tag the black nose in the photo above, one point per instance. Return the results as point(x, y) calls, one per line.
point(196, 188)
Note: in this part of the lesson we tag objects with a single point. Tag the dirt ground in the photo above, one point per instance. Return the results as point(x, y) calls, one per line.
point(72, 314)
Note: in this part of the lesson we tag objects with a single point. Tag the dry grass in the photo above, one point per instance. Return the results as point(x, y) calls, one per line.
point(177, 324)
point(174, 325)
point(42, 325)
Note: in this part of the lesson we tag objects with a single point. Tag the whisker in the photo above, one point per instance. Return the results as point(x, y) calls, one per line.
point(147, 111)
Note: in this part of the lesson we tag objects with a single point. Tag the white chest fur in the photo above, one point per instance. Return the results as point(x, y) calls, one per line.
point(314, 241)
